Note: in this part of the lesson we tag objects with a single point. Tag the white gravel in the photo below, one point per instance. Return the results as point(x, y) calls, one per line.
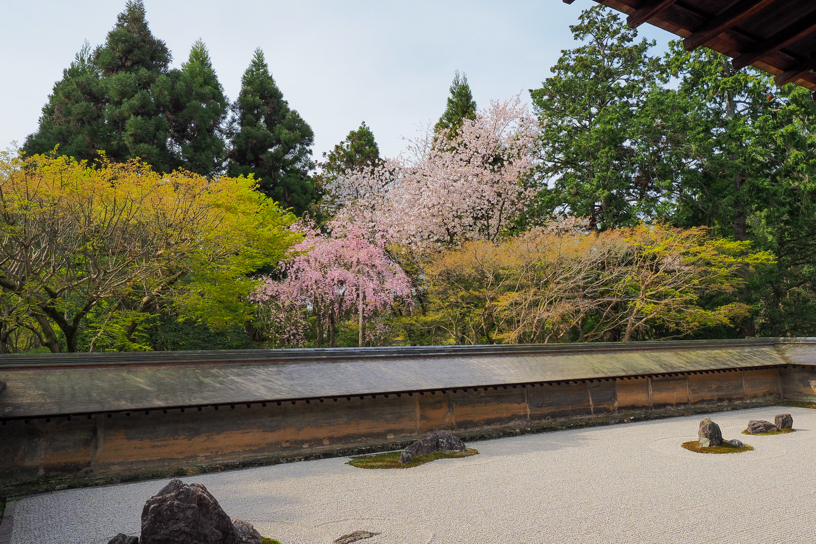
point(623, 483)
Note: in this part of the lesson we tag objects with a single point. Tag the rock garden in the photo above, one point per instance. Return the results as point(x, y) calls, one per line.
point(710, 438)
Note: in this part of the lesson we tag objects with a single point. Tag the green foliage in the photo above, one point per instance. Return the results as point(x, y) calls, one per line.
point(89, 255)
point(461, 106)
point(169, 333)
point(643, 283)
point(748, 170)
point(74, 117)
point(122, 102)
point(134, 65)
point(593, 109)
point(200, 108)
point(270, 140)
point(358, 150)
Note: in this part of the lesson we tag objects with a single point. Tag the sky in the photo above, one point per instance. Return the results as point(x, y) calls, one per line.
point(337, 62)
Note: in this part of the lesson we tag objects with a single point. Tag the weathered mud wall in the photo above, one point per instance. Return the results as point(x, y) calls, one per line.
point(139, 442)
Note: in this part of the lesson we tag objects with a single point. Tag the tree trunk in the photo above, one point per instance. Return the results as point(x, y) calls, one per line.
point(360, 319)
point(331, 328)
point(49, 338)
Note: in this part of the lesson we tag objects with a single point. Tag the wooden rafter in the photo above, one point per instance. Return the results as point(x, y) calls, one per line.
point(795, 32)
point(725, 20)
point(649, 9)
point(791, 74)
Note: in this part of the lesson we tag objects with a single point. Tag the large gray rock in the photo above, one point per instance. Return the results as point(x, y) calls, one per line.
point(185, 514)
point(709, 434)
point(438, 441)
point(122, 538)
point(784, 421)
point(247, 534)
point(758, 426)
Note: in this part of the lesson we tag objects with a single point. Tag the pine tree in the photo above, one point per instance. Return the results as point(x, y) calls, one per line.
point(358, 150)
point(270, 140)
point(73, 118)
point(134, 66)
point(461, 106)
point(201, 107)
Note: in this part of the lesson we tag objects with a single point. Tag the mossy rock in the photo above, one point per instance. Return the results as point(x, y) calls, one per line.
point(694, 445)
point(770, 433)
point(391, 459)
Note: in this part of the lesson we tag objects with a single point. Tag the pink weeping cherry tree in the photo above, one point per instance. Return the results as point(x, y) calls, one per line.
point(331, 279)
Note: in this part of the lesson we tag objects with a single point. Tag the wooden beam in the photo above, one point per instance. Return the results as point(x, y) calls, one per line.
point(785, 37)
point(800, 68)
point(729, 18)
point(646, 11)
point(569, 1)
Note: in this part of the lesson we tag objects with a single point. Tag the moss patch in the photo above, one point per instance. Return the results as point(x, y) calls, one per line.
point(391, 459)
point(270, 541)
point(694, 445)
point(780, 431)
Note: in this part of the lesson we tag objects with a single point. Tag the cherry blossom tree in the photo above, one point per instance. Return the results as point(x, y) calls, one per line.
point(469, 185)
point(328, 280)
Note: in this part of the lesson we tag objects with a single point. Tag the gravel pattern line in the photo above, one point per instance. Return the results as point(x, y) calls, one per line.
point(616, 484)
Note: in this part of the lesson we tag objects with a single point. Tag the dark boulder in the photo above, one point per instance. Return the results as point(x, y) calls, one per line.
point(185, 514)
point(734, 443)
point(122, 538)
point(758, 426)
point(709, 434)
point(783, 421)
point(247, 534)
point(438, 441)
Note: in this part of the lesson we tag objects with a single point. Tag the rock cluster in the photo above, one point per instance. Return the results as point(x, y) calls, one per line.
point(709, 434)
point(438, 441)
point(781, 421)
point(188, 514)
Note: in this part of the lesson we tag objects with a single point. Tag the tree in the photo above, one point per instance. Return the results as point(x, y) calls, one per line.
point(461, 106)
point(568, 283)
point(270, 140)
point(357, 151)
point(200, 108)
point(358, 154)
point(594, 110)
point(135, 68)
point(329, 279)
point(73, 118)
point(111, 242)
point(750, 158)
point(470, 190)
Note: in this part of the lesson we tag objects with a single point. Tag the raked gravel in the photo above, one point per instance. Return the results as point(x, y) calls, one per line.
point(628, 483)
